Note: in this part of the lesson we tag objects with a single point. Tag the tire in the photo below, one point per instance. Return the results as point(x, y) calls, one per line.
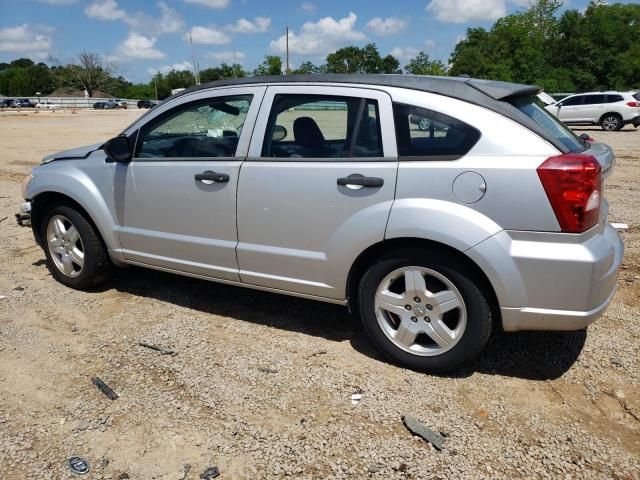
point(63, 246)
point(611, 122)
point(467, 314)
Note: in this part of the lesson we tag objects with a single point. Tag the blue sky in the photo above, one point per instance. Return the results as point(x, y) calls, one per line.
point(139, 37)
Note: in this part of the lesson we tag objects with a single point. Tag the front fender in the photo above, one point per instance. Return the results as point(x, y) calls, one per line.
point(68, 180)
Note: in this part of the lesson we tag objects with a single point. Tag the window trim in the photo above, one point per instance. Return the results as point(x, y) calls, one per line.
point(257, 93)
point(434, 158)
point(387, 130)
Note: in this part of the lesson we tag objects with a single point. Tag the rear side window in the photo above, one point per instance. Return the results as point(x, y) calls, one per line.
point(594, 99)
point(320, 126)
point(534, 109)
point(614, 98)
point(429, 135)
point(637, 96)
point(573, 101)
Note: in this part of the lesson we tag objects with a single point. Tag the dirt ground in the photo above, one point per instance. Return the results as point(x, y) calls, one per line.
point(260, 385)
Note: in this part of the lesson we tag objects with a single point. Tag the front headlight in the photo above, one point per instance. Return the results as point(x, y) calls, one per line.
point(25, 185)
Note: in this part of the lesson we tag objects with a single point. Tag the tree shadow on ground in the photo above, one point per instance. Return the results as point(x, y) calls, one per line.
point(528, 355)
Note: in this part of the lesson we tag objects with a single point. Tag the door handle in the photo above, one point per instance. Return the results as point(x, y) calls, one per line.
point(357, 181)
point(210, 177)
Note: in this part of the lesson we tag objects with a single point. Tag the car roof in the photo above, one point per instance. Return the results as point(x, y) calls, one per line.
point(469, 89)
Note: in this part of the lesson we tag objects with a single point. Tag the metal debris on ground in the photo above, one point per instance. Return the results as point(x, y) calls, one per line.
point(319, 352)
point(78, 465)
point(620, 226)
point(162, 350)
point(3, 219)
point(355, 398)
point(417, 428)
point(104, 388)
point(267, 370)
point(209, 473)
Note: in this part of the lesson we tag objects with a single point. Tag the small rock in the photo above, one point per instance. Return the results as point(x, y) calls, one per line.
point(617, 361)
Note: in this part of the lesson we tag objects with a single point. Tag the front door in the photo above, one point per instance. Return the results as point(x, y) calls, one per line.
point(176, 200)
point(317, 186)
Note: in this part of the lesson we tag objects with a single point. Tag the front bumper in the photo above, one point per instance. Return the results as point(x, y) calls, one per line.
point(24, 216)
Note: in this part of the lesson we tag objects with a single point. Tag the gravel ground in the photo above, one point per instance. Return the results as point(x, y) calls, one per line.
point(260, 385)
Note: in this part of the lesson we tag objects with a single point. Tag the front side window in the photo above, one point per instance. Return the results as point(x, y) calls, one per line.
point(424, 133)
point(201, 129)
point(573, 101)
point(319, 126)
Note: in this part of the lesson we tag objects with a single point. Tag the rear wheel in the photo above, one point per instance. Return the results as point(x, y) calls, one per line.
point(424, 313)
point(76, 256)
point(611, 122)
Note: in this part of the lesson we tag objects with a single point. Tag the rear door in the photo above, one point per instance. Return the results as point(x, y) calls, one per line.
point(592, 108)
point(317, 187)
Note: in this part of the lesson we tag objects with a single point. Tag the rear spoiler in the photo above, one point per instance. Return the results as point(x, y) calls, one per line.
point(502, 90)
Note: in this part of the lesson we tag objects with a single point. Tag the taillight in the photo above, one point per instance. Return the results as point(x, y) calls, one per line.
point(633, 104)
point(573, 183)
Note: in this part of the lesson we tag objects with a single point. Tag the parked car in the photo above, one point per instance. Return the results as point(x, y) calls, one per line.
point(121, 103)
point(105, 105)
point(23, 103)
point(318, 187)
point(546, 98)
point(147, 103)
point(6, 102)
point(610, 110)
point(48, 105)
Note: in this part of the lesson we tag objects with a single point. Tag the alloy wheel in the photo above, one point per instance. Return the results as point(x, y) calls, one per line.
point(610, 123)
point(420, 311)
point(65, 246)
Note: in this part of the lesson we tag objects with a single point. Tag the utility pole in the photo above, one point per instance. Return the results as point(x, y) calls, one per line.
point(155, 82)
point(286, 71)
point(193, 59)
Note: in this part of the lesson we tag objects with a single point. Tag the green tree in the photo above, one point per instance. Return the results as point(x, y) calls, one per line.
point(422, 65)
point(367, 59)
point(224, 70)
point(309, 67)
point(271, 65)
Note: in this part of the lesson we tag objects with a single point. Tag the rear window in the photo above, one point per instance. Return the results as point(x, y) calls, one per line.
point(428, 135)
point(637, 96)
point(594, 99)
point(534, 109)
point(614, 98)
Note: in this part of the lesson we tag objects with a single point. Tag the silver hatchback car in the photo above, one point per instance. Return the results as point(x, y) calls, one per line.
point(488, 215)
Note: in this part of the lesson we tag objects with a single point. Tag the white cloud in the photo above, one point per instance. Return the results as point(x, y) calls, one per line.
point(404, 54)
point(320, 37)
point(105, 10)
point(308, 7)
point(462, 11)
point(207, 36)
point(209, 3)
point(137, 46)
point(386, 26)
point(25, 38)
point(169, 22)
point(259, 25)
point(227, 57)
point(180, 66)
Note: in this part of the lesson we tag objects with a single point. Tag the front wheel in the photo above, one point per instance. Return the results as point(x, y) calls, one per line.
point(424, 313)
point(76, 256)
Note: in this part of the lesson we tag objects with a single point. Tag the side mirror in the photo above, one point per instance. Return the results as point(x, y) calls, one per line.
point(279, 133)
point(118, 149)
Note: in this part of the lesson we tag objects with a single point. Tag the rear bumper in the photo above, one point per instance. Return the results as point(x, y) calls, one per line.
point(516, 319)
point(547, 281)
point(635, 121)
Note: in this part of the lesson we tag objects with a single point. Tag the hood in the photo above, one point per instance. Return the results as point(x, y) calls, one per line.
point(72, 154)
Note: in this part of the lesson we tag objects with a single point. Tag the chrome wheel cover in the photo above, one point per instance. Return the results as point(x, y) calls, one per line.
point(65, 246)
point(420, 311)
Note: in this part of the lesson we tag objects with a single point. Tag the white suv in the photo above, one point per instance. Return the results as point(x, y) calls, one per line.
point(610, 110)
